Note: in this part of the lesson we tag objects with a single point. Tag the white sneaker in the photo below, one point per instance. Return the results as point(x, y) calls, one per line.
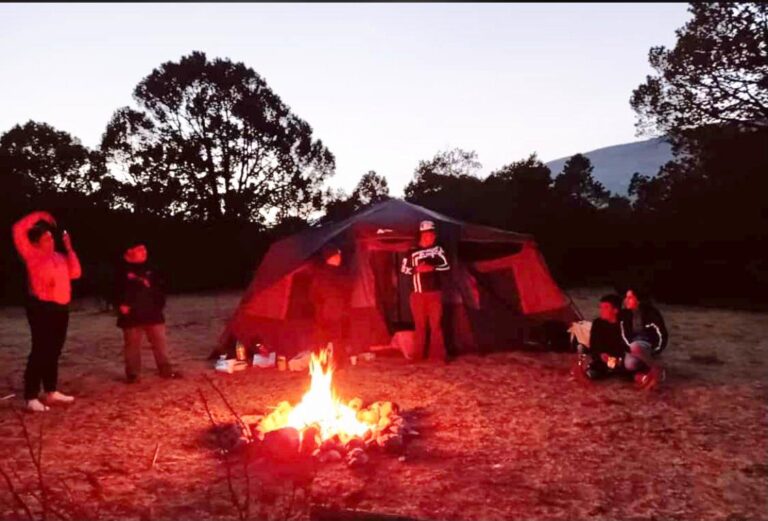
point(36, 405)
point(57, 397)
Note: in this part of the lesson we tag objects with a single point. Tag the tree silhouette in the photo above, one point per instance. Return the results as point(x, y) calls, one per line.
point(447, 170)
point(576, 186)
point(37, 161)
point(211, 140)
point(372, 188)
point(717, 72)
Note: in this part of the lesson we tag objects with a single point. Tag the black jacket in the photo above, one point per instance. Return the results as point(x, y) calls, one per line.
point(139, 287)
point(427, 281)
point(653, 330)
point(605, 337)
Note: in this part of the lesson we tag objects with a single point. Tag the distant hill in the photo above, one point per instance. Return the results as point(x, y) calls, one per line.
point(615, 165)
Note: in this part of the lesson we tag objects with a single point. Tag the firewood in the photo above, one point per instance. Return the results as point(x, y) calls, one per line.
point(309, 440)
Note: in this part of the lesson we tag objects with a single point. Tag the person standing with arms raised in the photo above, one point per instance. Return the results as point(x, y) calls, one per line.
point(424, 264)
point(49, 275)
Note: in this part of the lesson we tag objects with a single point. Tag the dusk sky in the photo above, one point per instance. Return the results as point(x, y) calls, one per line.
point(383, 85)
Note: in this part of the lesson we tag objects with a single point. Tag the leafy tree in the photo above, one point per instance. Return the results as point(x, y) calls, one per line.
point(211, 140)
point(446, 171)
point(36, 160)
point(338, 206)
point(618, 206)
point(528, 178)
point(717, 72)
point(372, 188)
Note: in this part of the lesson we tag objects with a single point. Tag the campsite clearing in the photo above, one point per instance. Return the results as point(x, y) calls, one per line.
point(505, 436)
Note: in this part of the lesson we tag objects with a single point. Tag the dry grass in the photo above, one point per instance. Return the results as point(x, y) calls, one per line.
point(507, 436)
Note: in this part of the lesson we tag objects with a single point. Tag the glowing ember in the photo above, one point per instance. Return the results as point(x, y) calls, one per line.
point(319, 407)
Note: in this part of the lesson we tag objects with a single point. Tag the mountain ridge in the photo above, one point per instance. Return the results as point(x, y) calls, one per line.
point(615, 164)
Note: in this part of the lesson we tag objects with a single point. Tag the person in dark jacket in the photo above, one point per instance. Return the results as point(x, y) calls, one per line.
point(606, 350)
point(140, 300)
point(330, 294)
point(424, 264)
point(645, 336)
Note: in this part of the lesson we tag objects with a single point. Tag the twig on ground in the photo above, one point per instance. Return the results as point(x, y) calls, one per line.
point(242, 511)
point(36, 460)
point(154, 458)
point(246, 430)
point(8, 396)
point(15, 494)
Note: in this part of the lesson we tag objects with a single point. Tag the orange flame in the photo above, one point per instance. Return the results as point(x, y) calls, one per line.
point(318, 407)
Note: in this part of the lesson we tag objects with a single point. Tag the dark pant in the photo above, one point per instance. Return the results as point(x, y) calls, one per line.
point(48, 323)
point(333, 328)
point(427, 311)
point(155, 333)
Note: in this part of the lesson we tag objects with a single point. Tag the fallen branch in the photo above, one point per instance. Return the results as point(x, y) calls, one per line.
point(243, 426)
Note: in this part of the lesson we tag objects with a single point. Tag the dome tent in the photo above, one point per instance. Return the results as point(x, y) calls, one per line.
point(498, 291)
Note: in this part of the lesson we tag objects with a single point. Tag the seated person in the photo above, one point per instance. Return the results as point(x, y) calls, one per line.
point(645, 335)
point(606, 347)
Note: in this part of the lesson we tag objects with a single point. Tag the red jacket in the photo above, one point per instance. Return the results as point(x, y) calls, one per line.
point(48, 274)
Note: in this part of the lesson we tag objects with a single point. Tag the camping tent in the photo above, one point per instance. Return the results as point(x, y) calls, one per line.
point(496, 294)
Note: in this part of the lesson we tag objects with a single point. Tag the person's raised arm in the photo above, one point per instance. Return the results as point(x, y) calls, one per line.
point(21, 232)
point(73, 263)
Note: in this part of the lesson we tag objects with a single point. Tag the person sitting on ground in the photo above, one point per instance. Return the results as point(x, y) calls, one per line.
point(645, 335)
point(606, 350)
point(140, 300)
point(49, 276)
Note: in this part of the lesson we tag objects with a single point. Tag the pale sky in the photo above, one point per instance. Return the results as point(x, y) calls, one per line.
point(383, 85)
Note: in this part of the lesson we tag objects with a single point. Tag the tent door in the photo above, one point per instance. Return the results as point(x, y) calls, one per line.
point(392, 290)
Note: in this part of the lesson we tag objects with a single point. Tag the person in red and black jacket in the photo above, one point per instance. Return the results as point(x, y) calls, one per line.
point(424, 264)
point(139, 298)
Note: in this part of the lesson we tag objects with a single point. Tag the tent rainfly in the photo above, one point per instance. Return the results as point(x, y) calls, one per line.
point(498, 292)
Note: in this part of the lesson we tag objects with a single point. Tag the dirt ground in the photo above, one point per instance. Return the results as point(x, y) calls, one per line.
point(505, 436)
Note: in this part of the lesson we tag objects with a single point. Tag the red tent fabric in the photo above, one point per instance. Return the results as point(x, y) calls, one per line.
point(498, 290)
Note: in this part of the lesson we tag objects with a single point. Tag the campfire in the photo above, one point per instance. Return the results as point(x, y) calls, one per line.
point(323, 426)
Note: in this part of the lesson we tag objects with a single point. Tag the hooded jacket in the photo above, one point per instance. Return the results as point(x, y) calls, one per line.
point(652, 330)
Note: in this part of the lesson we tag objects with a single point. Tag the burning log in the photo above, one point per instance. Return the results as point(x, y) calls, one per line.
point(310, 440)
point(354, 443)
